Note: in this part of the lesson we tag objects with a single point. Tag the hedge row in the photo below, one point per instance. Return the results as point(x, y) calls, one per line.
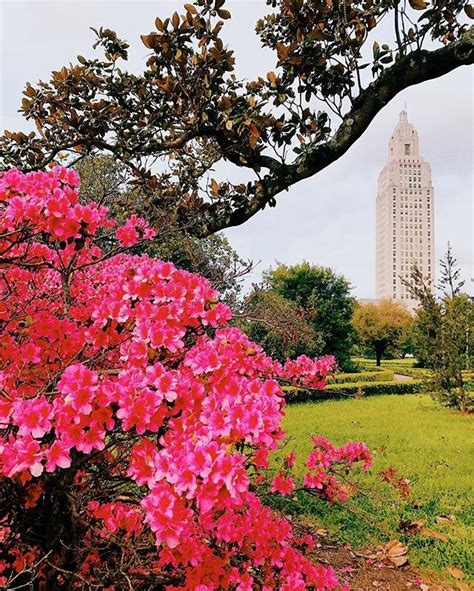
point(384, 375)
point(352, 390)
point(420, 372)
point(408, 362)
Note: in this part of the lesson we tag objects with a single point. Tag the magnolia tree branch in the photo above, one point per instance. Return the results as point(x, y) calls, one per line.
point(414, 68)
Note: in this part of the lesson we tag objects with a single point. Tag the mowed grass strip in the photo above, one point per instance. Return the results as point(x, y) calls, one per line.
point(431, 446)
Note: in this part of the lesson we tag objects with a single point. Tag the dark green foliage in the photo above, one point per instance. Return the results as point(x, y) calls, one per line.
point(326, 300)
point(443, 334)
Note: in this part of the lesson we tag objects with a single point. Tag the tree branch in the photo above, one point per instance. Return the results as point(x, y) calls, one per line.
point(414, 68)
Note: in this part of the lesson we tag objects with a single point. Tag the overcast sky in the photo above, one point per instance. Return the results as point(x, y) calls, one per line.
point(328, 219)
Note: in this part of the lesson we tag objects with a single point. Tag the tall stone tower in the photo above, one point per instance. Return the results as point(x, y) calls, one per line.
point(404, 216)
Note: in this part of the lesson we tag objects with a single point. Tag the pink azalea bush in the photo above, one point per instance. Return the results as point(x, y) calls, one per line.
point(135, 423)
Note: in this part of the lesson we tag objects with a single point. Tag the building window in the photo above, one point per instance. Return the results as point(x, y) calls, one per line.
point(407, 149)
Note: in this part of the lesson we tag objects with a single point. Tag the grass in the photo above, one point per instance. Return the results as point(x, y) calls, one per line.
point(430, 445)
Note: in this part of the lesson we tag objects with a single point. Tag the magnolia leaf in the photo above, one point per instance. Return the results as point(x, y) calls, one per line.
point(228, 124)
point(159, 24)
point(282, 50)
point(418, 4)
point(214, 187)
point(149, 41)
point(254, 131)
point(272, 78)
point(322, 532)
point(175, 20)
point(455, 572)
point(371, 22)
point(411, 527)
point(190, 8)
point(223, 13)
point(469, 10)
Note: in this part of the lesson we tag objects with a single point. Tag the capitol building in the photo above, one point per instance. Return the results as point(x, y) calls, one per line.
point(404, 216)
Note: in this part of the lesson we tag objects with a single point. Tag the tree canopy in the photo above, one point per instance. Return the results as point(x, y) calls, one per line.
point(188, 111)
point(325, 303)
point(380, 325)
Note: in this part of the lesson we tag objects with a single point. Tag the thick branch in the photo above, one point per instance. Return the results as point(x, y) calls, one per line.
point(419, 66)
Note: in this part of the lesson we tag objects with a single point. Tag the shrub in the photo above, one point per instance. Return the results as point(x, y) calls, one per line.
point(293, 394)
point(367, 362)
point(134, 423)
point(363, 376)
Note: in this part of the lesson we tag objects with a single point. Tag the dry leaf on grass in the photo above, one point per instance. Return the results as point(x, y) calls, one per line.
point(432, 533)
point(463, 586)
point(445, 519)
point(411, 527)
point(455, 572)
point(395, 553)
point(322, 532)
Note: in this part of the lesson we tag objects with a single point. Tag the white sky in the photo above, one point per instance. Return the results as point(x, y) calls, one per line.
point(328, 219)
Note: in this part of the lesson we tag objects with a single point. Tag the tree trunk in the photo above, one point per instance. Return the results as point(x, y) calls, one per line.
point(379, 350)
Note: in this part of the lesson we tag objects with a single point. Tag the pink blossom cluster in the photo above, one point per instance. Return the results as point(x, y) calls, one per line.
point(122, 384)
point(134, 230)
point(326, 461)
point(306, 372)
point(324, 464)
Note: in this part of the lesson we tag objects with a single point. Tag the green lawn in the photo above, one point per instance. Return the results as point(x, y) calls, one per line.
point(430, 445)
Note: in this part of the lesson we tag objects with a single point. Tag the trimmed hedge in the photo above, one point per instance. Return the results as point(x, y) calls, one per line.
point(421, 372)
point(332, 391)
point(407, 362)
point(381, 375)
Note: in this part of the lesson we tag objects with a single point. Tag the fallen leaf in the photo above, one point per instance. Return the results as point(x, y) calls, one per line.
point(463, 586)
point(431, 533)
point(395, 552)
point(455, 572)
point(445, 518)
point(411, 527)
point(322, 532)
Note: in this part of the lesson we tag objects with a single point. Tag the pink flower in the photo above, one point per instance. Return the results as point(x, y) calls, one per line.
point(33, 416)
point(79, 384)
point(133, 230)
point(282, 484)
point(57, 456)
